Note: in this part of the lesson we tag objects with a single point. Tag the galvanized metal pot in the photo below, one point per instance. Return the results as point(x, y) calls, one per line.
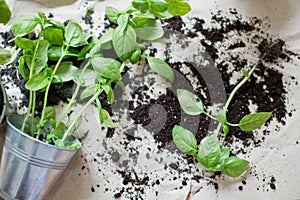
point(29, 168)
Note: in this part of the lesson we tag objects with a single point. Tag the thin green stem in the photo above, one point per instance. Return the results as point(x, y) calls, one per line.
point(31, 96)
point(28, 112)
point(98, 103)
point(230, 124)
point(209, 115)
point(122, 66)
point(234, 91)
point(72, 100)
point(238, 86)
point(33, 110)
point(79, 114)
point(49, 84)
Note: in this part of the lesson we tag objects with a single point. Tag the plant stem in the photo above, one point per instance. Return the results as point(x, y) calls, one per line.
point(122, 66)
point(209, 115)
point(49, 84)
point(72, 125)
point(32, 97)
point(230, 124)
point(33, 110)
point(236, 88)
point(28, 112)
point(72, 100)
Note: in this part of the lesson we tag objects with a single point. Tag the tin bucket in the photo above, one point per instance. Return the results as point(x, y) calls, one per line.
point(29, 167)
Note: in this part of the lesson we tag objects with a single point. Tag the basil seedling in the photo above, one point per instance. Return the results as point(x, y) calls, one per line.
point(208, 152)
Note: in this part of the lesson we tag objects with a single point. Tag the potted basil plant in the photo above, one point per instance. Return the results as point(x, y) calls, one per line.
point(39, 145)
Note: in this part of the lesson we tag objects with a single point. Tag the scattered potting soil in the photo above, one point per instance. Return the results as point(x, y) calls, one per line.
point(265, 90)
point(267, 94)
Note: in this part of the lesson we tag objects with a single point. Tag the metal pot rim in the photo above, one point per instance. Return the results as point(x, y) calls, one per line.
point(32, 138)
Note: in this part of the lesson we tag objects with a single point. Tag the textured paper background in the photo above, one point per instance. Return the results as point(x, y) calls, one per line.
point(268, 158)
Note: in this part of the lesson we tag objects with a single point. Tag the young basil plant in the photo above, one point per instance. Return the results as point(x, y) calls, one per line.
point(209, 153)
point(139, 22)
point(55, 44)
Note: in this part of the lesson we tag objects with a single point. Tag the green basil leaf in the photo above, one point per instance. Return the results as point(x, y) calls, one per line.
point(253, 121)
point(5, 13)
point(184, 140)
point(123, 21)
point(41, 58)
point(88, 78)
point(189, 102)
point(5, 56)
point(234, 166)
point(25, 43)
point(105, 119)
point(49, 112)
point(37, 82)
point(110, 93)
point(55, 52)
point(24, 25)
point(93, 48)
point(135, 57)
point(59, 143)
point(246, 74)
point(89, 91)
point(47, 72)
point(140, 5)
point(112, 14)
point(157, 8)
point(55, 36)
point(161, 67)
point(209, 152)
point(225, 129)
point(74, 35)
point(225, 151)
point(55, 23)
point(223, 155)
point(107, 67)
point(141, 19)
point(178, 7)
point(66, 72)
point(24, 71)
point(107, 36)
point(39, 61)
point(42, 18)
point(221, 117)
point(124, 42)
point(150, 30)
point(59, 130)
